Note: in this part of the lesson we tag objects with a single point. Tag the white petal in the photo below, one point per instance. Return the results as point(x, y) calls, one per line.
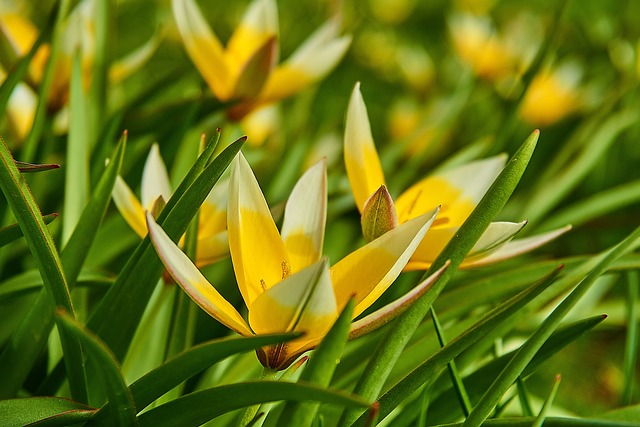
point(155, 179)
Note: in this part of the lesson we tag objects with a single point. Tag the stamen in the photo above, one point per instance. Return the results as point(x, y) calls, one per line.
point(263, 285)
point(286, 269)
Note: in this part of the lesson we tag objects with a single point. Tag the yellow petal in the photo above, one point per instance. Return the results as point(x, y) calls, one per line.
point(203, 47)
point(20, 33)
point(129, 207)
point(259, 24)
point(193, 282)
point(369, 271)
point(213, 212)
point(429, 249)
point(257, 251)
point(457, 191)
point(313, 60)
point(303, 302)
point(305, 215)
point(212, 248)
point(21, 108)
point(155, 179)
point(260, 124)
point(360, 155)
point(255, 71)
point(516, 247)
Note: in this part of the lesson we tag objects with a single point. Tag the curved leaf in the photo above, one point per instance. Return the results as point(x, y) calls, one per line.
point(50, 411)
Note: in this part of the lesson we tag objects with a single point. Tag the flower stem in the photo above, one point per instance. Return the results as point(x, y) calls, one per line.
point(251, 411)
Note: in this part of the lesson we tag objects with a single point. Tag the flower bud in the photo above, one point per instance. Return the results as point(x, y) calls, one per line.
point(379, 214)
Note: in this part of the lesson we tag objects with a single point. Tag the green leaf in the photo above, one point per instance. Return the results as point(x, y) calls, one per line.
point(122, 408)
point(319, 370)
point(24, 167)
point(547, 403)
point(30, 337)
point(550, 422)
point(116, 318)
point(199, 407)
point(444, 408)
point(76, 183)
point(628, 413)
point(631, 343)
point(46, 256)
point(432, 367)
point(196, 359)
point(40, 411)
point(13, 232)
point(535, 341)
point(402, 329)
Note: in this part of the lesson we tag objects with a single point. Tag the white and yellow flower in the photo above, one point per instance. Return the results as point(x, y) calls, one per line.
point(285, 282)
point(457, 191)
point(246, 69)
point(212, 228)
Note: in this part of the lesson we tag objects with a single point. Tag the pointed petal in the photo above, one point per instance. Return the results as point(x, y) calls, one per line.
point(204, 47)
point(516, 247)
point(360, 155)
point(260, 124)
point(155, 179)
point(259, 23)
point(257, 251)
point(305, 215)
point(303, 302)
point(392, 310)
point(496, 235)
point(213, 212)
point(129, 207)
point(193, 282)
point(369, 271)
point(457, 190)
point(313, 60)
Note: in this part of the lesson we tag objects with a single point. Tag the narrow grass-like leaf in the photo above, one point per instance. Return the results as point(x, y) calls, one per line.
point(43, 249)
point(30, 337)
point(41, 411)
point(537, 339)
point(549, 422)
point(319, 370)
point(121, 404)
point(199, 407)
point(116, 318)
point(30, 281)
point(458, 385)
point(24, 167)
point(196, 359)
point(96, 101)
point(595, 206)
point(631, 343)
point(432, 367)
point(523, 396)
point(545, 197)
point(13, 232)
point(76, 183)
point(443, 407)
point(400, 332)
point(547, 403)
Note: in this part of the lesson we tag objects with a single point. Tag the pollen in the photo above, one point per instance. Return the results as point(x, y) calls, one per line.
point(286, 269)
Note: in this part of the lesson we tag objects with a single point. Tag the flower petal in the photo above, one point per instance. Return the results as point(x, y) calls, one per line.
point(257, 251)
point(259, 23)
point(369, 271)
point(313, 60)
point(155, 179)
point(213, 212)
point(129, 207)
point(193, 282)
point(392, 310)
point(360, 156)
point(305, 215)
point(212, 248)
point(517, 247)
point(430, 247)
point(496, 235)
point(260, 124)
point(303, 302)
point(457, 191)
point(203, 47)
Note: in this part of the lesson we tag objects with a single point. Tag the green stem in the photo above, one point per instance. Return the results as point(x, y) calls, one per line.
point(251, 411)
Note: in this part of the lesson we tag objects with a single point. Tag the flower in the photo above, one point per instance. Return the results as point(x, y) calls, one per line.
point(285, 282)
point(552, 95)
point(245, 70)
point(457, 191)
point(212, 235)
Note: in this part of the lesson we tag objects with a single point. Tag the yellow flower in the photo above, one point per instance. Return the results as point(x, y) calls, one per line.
point(285, 282)
point(551, 96)
point(457, 191)
point(245, 70)
point(212, 235)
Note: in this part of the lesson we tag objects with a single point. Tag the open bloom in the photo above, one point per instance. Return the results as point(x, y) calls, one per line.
point(285, 282)
point(245, 70)
point(212, 228)
point(457, 191)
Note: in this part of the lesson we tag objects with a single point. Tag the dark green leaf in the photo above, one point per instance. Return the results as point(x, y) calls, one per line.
point(41, 411)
